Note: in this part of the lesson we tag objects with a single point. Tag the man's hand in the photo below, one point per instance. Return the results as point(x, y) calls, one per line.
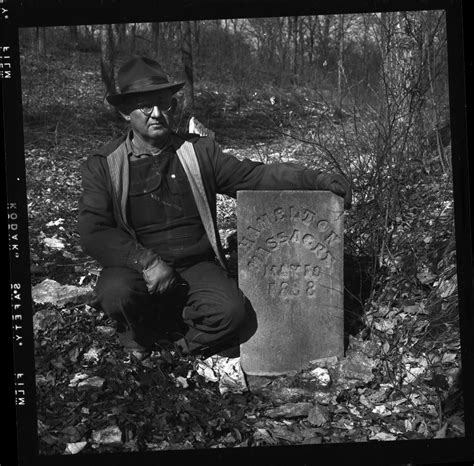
point(159, 277)
point(336, 184)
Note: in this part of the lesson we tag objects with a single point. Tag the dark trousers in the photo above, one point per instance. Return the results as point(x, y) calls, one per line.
point(206, 307)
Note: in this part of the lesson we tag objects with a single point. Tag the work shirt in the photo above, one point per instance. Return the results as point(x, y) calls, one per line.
point(162, 210)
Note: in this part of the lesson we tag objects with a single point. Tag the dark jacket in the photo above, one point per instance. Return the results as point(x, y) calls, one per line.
point(103, 228)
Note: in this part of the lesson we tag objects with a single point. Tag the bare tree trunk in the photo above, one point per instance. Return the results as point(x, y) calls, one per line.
point(107, 58)
point(197, 31)
point(295, 45)
point(365, 52)
point(325, 40)
point(121, 31)
point(311, 27)
point(41, 41)
point(73, 34)
point(290, 35)
point(187, 59)
point(301, 47)
point(340, 61)
point(155, 38)
point(133, 30)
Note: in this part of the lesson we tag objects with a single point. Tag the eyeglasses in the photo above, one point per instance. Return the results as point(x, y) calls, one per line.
point(148, 108)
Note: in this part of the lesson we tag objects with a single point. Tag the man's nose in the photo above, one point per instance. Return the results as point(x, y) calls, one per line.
point(156, 111)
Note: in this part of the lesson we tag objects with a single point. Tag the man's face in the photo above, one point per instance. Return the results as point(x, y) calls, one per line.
point(151, 115)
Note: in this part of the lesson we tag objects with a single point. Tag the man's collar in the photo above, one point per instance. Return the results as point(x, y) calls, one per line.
point(128, 143)
point(137, 151)
point(175, 142)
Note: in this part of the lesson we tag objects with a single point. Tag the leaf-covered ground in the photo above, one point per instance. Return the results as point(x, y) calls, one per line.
point(400, 376)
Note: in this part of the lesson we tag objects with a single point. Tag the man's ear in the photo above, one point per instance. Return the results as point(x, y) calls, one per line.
point(125, 116)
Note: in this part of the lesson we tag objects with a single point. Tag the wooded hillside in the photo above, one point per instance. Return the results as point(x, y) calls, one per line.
point(362, 95)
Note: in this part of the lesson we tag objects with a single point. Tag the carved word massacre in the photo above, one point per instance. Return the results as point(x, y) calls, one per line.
point(275, 241)
point(292, 280)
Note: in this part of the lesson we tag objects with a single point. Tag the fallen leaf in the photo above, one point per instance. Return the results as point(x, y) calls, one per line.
point(449, 357)
point(42, 427)
point(77, 378)
point(75, 447)
point(381, 410)
point(226, 371)
point(55, 223)
point(317, 416)
point(53, 243)
point(205, 371)
point(91, 382)
point(386, 326)
point(85, 381)
point(92, 355)
point(383, 436)
point(441, 433)
point(46, 318)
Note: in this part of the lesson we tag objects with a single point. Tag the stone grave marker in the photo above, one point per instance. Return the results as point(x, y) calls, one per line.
point(290, 249)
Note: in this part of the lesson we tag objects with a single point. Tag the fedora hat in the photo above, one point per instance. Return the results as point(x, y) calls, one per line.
point(141, 74)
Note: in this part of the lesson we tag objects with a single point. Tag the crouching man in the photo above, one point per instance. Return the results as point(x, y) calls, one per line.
point(147, 214)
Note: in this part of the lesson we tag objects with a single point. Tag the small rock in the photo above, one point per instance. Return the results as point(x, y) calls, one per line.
point(74, 434)
point(310, 433)
point(51, 292)
point(108, 436)
point(313, 440)
point(367, 347)
point(163, 445)
point(324, 362)
point(284, 433)
point(181, 382)
point(257, 382)
point(317, 416)
point(322, 398)
point(289, 395)
point(357, 368)
point(105, 330)
point(321, 375)
point(75, 447)
point(290, 410)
